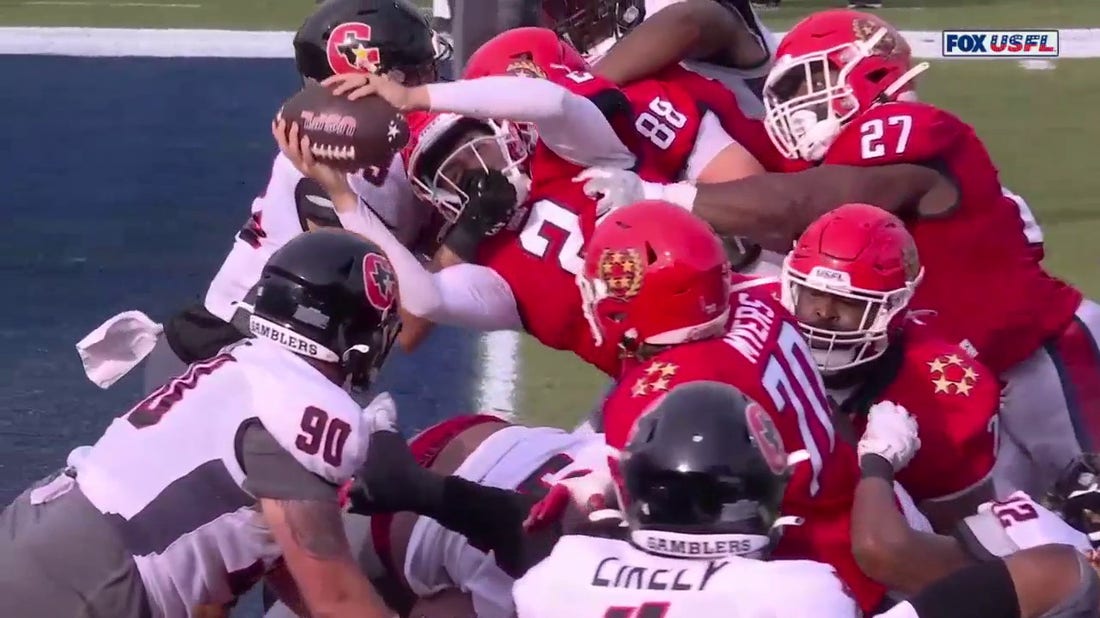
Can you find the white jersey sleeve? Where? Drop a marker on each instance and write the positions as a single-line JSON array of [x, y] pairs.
[[594, 576], [1007, 526], [711, 140], [312, 418]]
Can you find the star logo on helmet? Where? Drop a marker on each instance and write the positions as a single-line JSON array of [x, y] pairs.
[[766, 437], [952, 375], [379, 282], [622, 272], [657, 379], [349, 49]]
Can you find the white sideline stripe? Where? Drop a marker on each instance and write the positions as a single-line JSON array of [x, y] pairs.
[[500, 367], [116, 5], [1075, 42]]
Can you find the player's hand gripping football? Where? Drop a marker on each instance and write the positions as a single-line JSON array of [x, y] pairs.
[[297, 150], [891, 434], [360, 85]]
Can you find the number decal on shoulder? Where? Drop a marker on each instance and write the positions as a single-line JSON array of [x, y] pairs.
[[645, 610], [577, 77], [324, 435], [659, 123], [793, 385], [1014, 510], [553, 232], [150, 410], [1032, 231], [876, 134]]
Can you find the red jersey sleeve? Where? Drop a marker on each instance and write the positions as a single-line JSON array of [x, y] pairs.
[[897, 132], [955, 402]]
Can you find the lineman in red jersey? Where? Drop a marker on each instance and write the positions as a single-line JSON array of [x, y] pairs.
[[848, 282], [656, 281], [841, 97]]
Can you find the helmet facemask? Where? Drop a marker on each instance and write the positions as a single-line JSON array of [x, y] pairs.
[[809, 98], [863, 338], [469, 145]]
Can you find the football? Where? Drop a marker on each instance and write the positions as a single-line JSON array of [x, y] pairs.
[[348, 135]]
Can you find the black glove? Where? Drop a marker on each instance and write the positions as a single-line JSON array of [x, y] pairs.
[[491, 205], [1076, 495], [391, 480]]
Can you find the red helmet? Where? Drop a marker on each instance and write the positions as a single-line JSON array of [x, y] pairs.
[[527, 52], [655, 274], [865, 256], [829, 68], [436, 139]]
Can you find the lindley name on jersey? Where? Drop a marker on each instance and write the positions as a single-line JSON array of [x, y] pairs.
[[611, 572], [1000, 43]]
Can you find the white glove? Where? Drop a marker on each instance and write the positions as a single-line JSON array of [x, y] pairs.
[[612, 188], [117, 346], [380, 414], [891, 434]]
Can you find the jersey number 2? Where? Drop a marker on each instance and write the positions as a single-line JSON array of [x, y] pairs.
[[872, 145], [553, 232]]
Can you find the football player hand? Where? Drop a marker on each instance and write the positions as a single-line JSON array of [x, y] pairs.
[[359, 85], [297, 150], [581, 495], [891, 434], [612, 188]]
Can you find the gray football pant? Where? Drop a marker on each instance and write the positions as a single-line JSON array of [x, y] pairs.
[[59, 558]]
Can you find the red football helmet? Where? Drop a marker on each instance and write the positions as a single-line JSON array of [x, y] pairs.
[[829, 68], [527, 52], [654, 274], [443, 145], [849, 280]]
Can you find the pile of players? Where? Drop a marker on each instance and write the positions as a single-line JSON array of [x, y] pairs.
[[817, 431]]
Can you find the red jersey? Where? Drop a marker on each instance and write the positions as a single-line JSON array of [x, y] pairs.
[[712, 96], [982, 270], [955, 402], [539, 258], [764, 355]]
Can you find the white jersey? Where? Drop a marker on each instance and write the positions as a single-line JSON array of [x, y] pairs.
[[1007, 526], [278, 215], [594, 576], [517, 458], [168, 473]]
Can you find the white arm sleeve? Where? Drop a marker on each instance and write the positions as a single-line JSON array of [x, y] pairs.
[[711, 140], [569, 124], [465, 295]]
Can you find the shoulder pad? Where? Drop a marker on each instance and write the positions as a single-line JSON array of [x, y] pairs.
[[897, 133], [313, 419]]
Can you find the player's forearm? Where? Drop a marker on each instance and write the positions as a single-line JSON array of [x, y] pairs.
[[887, 548]]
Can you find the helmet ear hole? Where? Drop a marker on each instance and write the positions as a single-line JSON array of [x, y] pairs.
[[877, 75], [650, 254]]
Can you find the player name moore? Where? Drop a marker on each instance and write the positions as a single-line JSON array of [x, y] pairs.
[[1000, 43]]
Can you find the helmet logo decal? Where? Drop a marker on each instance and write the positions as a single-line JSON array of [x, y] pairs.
[[379, 282], [766, 436], [349, 49], [622, 272], [864, 28], [523, 66]]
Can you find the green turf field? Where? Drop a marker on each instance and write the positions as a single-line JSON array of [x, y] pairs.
[[1040, 125]]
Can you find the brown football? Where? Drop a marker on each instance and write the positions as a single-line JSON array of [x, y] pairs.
[[348, 135]]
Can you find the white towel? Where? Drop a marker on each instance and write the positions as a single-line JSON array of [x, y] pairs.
[[117, 346]]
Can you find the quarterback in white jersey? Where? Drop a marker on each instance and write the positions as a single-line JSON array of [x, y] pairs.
[[412, 558], [699, 482], [341, 36], [229, 471]]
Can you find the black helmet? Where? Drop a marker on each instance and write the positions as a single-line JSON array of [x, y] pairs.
[[329, 295], [704, 472], [369, 36], [1076, 495], [587, 23]]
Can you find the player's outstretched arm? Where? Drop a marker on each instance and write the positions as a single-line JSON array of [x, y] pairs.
[[699, 29], [1041, 581]]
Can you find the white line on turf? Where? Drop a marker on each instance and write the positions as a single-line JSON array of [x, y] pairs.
[[500, 367], [159, 5], [1075, 43]]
